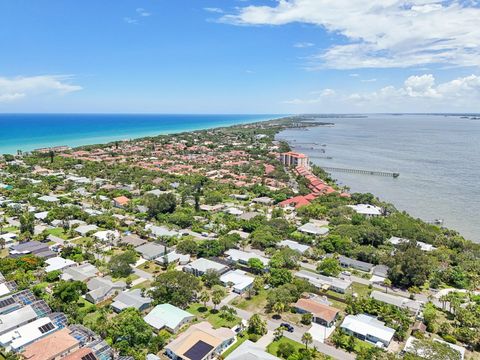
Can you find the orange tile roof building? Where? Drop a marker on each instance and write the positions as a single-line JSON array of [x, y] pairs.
[[322, 314], [52, 347]]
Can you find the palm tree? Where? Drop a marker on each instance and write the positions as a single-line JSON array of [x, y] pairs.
[[204, 298], [278, 333], [307, 339], [387, 283], [278, 308]]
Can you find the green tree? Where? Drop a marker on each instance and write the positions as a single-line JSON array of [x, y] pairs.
[[307, 339], [211, 278], [69, 291], [218, 293], [27, 223], [329, 267], [256, 265], [162, 204], [256, 325], [280, 277], [204, 298], [128, 332], [119, 265], [175, 287]]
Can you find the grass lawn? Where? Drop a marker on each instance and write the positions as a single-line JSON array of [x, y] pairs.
[[361, 289], [10, 229], [143, 285], [58, 232], [132, 276], [213, 317], [256, 303], [240, 341], [81, 241], [150, 267], [273, 347]]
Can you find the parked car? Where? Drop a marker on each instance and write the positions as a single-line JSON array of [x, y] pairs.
[[287, 327]]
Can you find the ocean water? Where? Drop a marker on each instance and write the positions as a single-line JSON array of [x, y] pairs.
[[31, 131], [438, 158]]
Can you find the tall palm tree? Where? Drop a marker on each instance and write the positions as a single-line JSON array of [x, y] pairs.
[[307, 339]]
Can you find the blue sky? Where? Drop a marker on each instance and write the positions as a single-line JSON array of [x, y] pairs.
[[239, 56]]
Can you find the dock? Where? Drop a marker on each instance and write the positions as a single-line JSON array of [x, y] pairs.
[[363, 172]]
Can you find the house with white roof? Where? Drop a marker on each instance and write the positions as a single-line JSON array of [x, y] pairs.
[[414, 346], [423, 246], [173, 257], [169, 317], [313, 229], [238, 280], [80, 273], [325, 282], [58, 263], [85, 229], [294, 246], [161, 231], [49, 198], [201, 266], [366, 210], [368, 328], [242, 257], [107, 236]]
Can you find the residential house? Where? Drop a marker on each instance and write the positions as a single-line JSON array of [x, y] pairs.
[[347, 262], [366, 210], [55, 346], [294, 246], [131, 239], [412, 346], [151, 250], [200, 342], [250, 351], [242, 257], [83, 230], [238, 280], [322, 314], [121, 202], [101, 289], [368, 328], [81, 272], [173, 257], [201, 266], [131, 299], [413, 306], [31, 248], [169, 317], [325, 282], [423, 246], [58, 263], [313, 229]]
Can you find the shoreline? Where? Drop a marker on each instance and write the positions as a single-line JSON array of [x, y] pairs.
[[379, 187], [85, 139]]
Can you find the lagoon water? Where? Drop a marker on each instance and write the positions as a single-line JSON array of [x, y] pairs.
[[31, 131], [438, 158]]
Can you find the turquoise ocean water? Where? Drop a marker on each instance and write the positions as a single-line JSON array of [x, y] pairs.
[[31, 131]]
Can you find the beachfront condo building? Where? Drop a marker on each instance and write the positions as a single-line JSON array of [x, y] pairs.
[[294, 159]]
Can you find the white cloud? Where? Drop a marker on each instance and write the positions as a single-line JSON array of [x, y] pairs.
[[380, 33], [368, 80], [143, 12], [13, 89], [213, 10], [302, 45], [129, 20], [418, 93]]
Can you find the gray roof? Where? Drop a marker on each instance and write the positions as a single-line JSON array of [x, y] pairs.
[[132, 239], [322, 280], [250, 351], [398, 301], [80, 273], [202, 265], [131, 298], [356, 264], [311, 228], [151, 250]]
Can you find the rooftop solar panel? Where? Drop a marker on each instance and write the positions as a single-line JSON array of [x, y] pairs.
[[6, 302], [199, 350], [46, 328], [89, 356]]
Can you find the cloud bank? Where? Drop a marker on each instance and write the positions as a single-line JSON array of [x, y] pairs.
[[17, 88], [380, 33]]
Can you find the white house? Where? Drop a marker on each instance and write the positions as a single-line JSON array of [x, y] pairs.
[[366, 209], [368, 328]]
